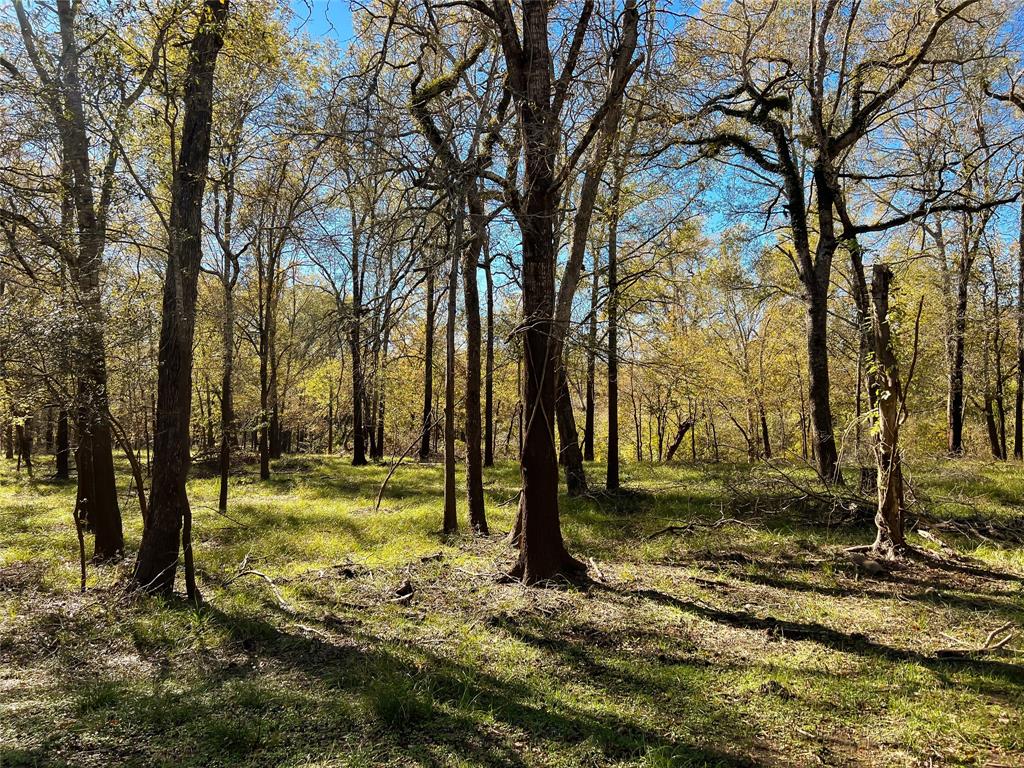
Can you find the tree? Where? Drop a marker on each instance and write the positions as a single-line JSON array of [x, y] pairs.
[[847, 81], [1015, 95], [891, 515], [540, 98], [58, 85], [621, 67], [461, 175], [168, 529]]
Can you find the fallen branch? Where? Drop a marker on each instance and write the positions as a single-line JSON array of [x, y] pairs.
[[285, 606], [991, 644], [695, 526]]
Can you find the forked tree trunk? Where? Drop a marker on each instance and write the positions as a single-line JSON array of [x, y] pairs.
[[889, 518], [170, 517], [681, 430]]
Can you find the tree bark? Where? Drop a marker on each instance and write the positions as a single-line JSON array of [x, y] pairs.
[[428, 369], [355, 342], [589, 407], [955, 391], [570, 456], [489, 365], [61, 471], [819, 388], [227, 415], [1018, 423], [766, 445], [622, 67], [170, 517], [612, 473], [450, 519], [889, 518], [471, 306], [23, 433], [681, 430]]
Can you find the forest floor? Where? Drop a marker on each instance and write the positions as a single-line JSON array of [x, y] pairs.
[[744, 636]]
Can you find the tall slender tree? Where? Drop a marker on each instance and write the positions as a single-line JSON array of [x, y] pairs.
[[168, 530]]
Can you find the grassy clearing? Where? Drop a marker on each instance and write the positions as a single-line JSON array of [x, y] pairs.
[[757, 642]]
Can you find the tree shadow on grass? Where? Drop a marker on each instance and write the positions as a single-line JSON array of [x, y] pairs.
[[1006, 604], [273, 689], [853, 642], [417, 694]]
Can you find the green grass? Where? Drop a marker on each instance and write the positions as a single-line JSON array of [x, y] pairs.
[[753, 642]]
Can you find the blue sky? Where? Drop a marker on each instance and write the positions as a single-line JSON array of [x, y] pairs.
[[323, 18]]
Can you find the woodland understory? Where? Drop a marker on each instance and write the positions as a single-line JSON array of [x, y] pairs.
[[511, 382], [722, 625]]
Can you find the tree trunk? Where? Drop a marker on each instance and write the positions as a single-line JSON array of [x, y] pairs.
[[265, 423], [169, 513], [570, 456], [825, 449], [955, 393], [428, 369], [991, 427], [450, 520], [588, 423], [358, 438], [489, 367], [889, 518], [612, 476], [681, 430], [61, 471], [23, 432], [330, 421], [542, 553], [378, 443], [471, 306], [96, 499], [1018, 424], [226, 403], [766, 445]]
